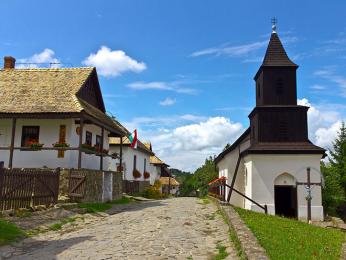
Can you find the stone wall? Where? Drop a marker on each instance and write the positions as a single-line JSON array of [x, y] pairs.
[[99, 186], [63, 182], [117, 192], [133, 187]]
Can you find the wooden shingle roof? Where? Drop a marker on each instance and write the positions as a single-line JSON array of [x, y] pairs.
[[169, 180], [50, 91], [276, 54], [41, 90]]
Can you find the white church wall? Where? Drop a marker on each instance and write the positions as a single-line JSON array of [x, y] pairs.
[[266, 168]]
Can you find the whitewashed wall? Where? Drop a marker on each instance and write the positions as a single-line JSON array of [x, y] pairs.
[[227, 167], [128, 157], [263, 171], [155, 173], [49, 134]]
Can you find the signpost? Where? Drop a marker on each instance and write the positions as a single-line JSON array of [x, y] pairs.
[[308, 186]]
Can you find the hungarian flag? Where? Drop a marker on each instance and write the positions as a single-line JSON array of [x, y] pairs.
[[133, 139]]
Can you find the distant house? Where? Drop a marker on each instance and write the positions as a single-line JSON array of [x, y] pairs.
[[54, 118], [135, 161], [159, 168], [169, 185]]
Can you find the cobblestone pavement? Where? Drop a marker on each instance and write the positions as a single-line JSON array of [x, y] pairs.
[[179, 228]]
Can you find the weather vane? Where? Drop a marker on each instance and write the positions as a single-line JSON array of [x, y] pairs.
[[274, 23]]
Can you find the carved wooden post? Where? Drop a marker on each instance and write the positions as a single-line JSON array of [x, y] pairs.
[[308, 198], [101, 148], [14, 120], [80, 143]]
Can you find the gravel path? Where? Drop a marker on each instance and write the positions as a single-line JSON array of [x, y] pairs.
[[179, 228]]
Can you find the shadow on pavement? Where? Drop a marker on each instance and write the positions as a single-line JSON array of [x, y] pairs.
[[134, 206], [26, 249]]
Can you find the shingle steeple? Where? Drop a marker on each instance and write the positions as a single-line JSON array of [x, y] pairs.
[[276, 54]]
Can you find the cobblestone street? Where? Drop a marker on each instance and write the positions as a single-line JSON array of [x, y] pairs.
[[179, 228]]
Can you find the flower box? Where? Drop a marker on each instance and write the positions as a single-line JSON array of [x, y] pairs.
[[136, 174], [146, 175], [61, 145]]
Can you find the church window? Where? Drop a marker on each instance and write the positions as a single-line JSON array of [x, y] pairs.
[[283, 130], [279, 86]]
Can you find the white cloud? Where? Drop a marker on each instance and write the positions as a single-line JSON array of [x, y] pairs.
[[231, 51], [240, 50], [111, 63], [318, 87], [160, 85], [167, 102], [323, 123], [186, 146], [36, 60], [330, 75]]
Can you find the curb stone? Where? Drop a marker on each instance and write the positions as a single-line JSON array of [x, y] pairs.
[[249, 244]]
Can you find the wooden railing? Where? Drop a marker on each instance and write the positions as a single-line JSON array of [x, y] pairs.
[[218, 189], [23, 188]]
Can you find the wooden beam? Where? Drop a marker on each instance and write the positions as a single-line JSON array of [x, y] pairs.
[[121, 155], [10, 162], [101, 157], [234, 178], [80, 143]]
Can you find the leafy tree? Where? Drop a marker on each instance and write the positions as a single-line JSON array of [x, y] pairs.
[[205, 174], [334, 200], [191, 183], [333, 194], [338, 156]]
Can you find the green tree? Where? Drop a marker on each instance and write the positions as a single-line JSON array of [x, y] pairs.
[[338, 156], [205, 174], [334, 173]]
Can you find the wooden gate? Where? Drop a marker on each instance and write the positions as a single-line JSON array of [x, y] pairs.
[[23, 188], [130, 187], [76, 185]]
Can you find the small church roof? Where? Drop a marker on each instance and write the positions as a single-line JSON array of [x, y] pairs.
[[276, 54]]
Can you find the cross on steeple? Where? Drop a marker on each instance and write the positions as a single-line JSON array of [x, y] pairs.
[[274, 23]]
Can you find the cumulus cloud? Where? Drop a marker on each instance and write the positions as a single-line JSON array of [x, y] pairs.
[[167, 102], [186, 146], [38, 59], [112, 63], [323, 122]]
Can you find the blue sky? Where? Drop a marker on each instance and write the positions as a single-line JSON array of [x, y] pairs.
[[182, 71]]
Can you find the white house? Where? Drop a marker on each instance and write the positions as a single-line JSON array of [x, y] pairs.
[[169, 185], [274, 153], [54, 118], [135, 161], [157, 166]]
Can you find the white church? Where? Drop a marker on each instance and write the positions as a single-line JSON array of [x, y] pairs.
[[269, 160]]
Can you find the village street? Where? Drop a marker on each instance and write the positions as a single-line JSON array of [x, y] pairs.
[[179, 228]]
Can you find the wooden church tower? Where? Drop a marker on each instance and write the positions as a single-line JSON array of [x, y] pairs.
[[277, 123], [268, 160]]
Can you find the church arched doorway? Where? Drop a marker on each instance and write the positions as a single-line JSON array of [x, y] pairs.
[[285, 196]]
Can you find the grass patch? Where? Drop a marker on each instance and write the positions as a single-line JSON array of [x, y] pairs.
[[233, 236], [222, 254], [204, 201], [284, 238], [9, 232], [102, 207]]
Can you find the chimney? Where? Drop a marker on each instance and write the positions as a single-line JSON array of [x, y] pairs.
[[9, 62]]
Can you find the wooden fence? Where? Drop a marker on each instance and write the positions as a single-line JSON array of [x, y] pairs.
[[131, 187], [23, 188]]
